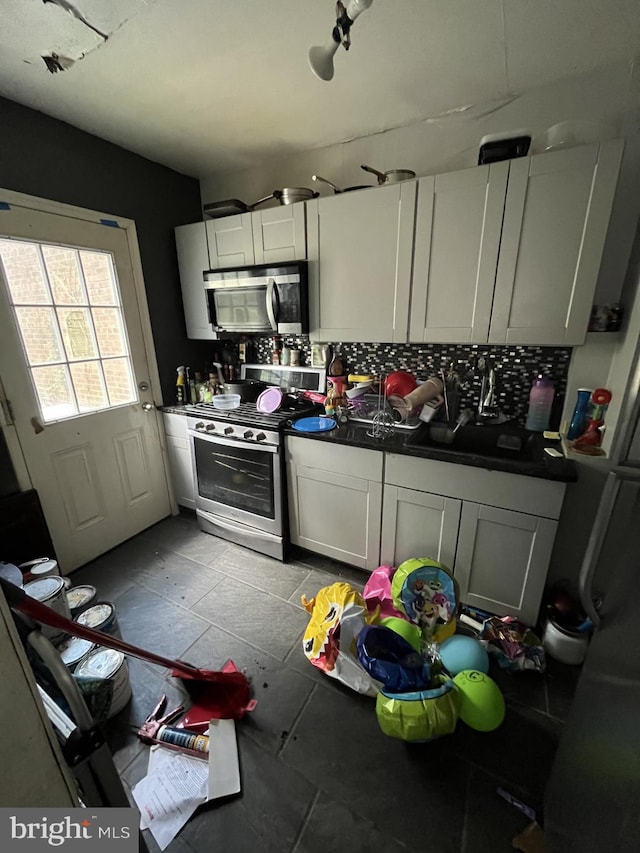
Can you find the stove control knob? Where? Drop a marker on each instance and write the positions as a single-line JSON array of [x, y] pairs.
[[248, 434], [261, 437], [200, 425], [210, 427], [228, 430]]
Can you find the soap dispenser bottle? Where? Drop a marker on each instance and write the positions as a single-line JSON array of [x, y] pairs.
[[540, 402]]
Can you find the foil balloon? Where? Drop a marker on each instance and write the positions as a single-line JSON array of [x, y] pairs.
[[427, 593], [338, 614]]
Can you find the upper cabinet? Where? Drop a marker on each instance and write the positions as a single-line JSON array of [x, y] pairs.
[[193, 259], [268, 236], [230, 241], [458, 226], [555, 223], [279, 234], [510, 253], [360, 249]]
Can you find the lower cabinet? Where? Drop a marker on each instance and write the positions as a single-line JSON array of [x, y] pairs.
[[502, 559], [418, 524], [335, 500], [494, 530], [179, 453]]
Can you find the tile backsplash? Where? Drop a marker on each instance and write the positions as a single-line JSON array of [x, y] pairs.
[[516, 366]]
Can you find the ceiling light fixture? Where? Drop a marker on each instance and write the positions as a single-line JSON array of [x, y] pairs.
[[321, 56]]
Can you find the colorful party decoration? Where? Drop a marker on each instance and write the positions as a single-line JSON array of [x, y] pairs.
[[419, 716], [426, 592]]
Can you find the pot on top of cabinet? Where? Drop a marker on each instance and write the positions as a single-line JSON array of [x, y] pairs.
[[393, 176]]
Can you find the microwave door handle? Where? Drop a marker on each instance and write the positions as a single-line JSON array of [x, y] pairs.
[[271, 313]]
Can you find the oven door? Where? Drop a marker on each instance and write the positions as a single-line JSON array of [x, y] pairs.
[[239, 481]]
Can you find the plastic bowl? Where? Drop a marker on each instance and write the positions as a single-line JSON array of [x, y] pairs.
[[226, 401]]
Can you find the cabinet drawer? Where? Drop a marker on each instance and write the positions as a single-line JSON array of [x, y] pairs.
[[493, 488], [335, 458]]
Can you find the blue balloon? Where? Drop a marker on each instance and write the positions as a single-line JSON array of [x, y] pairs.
[[459, 653]]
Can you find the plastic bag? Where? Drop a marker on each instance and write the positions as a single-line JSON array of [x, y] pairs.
[[513, 644], [338, 614]]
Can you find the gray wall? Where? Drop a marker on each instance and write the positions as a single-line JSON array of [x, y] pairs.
[[48, 158]]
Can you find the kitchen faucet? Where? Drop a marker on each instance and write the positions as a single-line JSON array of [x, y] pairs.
[[488, 407]]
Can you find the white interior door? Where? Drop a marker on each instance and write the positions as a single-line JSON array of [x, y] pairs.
[[74, 367]]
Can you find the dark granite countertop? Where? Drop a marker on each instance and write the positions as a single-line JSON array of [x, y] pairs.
[[404, 442]]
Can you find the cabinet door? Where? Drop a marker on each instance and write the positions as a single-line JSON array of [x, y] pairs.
[[280, 234], [555, 223], [193, 260], [230, 241], [336, 515], [179, 453], [417, 524], [502, 560], [360, 249], [458, 226]]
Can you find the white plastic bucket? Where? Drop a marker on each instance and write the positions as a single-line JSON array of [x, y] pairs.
[[50, 591], [564, 645], [108, 665]]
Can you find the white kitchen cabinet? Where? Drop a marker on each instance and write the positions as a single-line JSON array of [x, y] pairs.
[[335, 500], [494, 530], [510, 253], [179, 453], [360, 250], [457, 240], [193, 260], [230, 240], [502, 560], [556, 217], [275, 235], [418, 524], [280, 234]]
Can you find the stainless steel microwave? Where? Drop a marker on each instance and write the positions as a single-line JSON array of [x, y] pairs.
[[259, 300]]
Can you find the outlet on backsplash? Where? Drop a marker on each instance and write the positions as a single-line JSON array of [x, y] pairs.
[[516, 366]]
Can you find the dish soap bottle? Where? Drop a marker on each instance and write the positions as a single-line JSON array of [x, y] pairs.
[[540, 401], [180, 386]]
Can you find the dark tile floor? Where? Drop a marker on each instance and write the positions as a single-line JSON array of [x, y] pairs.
[[317, 773]]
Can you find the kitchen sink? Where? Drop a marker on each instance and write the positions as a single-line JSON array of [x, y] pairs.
[[502, 441]]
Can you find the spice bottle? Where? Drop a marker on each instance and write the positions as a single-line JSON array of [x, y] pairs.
[[275, 351]]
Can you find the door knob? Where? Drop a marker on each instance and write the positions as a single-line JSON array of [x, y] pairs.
[[148, 407]]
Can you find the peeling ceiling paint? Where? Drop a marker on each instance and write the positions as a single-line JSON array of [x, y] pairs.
[[212, 85]]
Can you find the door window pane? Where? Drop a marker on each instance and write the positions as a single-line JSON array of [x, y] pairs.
[[64, 275], [77, 333], [53, 387], [24, 273], [39, 332], [99, 278], [109, 331], [119, 383], [75, 344], [88, 385]]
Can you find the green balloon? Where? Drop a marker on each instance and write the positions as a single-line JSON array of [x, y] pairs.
[[407, 630], [481, 702]]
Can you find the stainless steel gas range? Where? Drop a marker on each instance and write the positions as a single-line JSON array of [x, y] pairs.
[[238, 463]]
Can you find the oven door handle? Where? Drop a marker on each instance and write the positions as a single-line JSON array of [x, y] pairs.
[[234, 527], [232, 442], [271, 290]]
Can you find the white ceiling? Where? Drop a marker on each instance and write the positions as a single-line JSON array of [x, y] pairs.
[[211, 85]]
